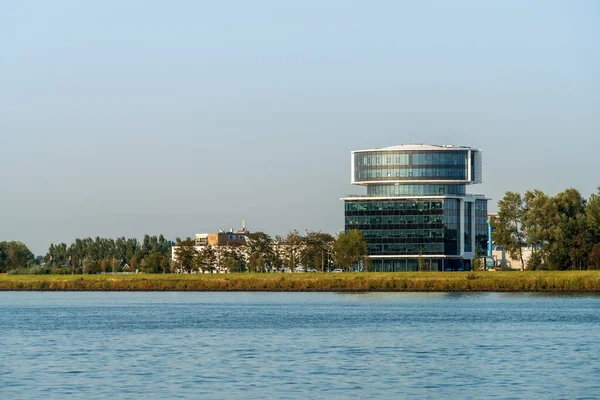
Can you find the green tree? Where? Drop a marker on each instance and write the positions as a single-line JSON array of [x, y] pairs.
[[349, 248], [594, 257], [185, 253], [57, 254], [277, 260], [206, 259], [260, 252], [293, 244], [232, 260], [509, 225], [592, 215], [154, 263], [315, 252], [569, 231], [14, 255], [540, 222], [90, 266], [477, 262]]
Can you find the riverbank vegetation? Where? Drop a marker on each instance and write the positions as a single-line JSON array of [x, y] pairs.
[[562, 231], [513, 281], [260, 253]]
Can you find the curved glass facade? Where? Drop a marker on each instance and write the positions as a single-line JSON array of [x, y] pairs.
[[415, 190], [410, 174], [411, 165]]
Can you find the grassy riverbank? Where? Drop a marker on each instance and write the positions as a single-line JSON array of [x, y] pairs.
[[529, 281]]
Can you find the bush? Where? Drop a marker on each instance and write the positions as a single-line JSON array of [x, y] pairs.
[[39, 270], [535, 262], [472, 275]]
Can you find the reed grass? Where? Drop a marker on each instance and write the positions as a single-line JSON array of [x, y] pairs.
[[527, 281]]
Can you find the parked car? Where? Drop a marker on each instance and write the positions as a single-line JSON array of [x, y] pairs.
[[337, 270], [311, 270]]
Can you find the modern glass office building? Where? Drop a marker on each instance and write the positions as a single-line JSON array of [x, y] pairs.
[[416, 210]]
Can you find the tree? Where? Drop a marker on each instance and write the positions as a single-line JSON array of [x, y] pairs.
[[277, 259], [14, 255], [205, 260], [57, 254], [349, 248], [508, 225], [90, 266], [232, 260], [476, 264], [540, 223], [260, 252], [594, 257], [185, 253], [569, 231], [315, 252], [154, 263], [293, 243], [105, 264], [592, 215]]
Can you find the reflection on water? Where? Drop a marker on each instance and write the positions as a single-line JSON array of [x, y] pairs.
[[298, 345]]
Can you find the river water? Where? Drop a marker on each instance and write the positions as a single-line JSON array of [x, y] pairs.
[[298, 345]]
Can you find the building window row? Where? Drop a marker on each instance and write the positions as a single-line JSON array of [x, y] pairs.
[[415, 190], [374, 174], [405, 248], [394, 219], [403, 233], [458, 158], [375, 205]]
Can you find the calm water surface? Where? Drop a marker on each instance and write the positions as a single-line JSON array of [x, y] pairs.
[[298, 345]]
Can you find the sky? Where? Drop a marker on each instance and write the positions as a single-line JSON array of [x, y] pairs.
[[121, 118]]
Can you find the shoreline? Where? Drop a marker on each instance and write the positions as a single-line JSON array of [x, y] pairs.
[[501, 282]]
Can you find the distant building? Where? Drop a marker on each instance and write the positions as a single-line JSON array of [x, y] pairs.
[[416, 210], [221, 238], [218, 239], [503, 259]]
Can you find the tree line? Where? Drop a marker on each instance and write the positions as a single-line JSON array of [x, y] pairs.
[[562, 231], [261, 253], [314, 251]]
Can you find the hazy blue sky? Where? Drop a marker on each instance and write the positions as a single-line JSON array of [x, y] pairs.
[[119, 118]]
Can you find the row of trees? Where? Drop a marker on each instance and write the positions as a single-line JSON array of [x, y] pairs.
[[261, 253], [315, 250], [563, 231], [89, 255]]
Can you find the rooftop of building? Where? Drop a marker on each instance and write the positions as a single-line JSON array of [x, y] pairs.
[[419, 147], [416, 197]]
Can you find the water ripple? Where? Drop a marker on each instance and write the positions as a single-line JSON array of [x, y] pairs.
[[279, 345]]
